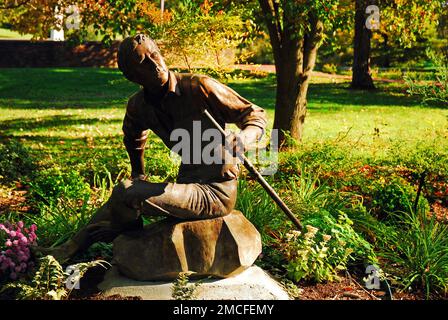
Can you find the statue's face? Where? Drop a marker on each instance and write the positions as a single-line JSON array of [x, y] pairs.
[[147, 67]]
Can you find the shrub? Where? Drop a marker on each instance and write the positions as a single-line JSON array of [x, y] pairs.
[[436, 90], [182, 289], [416, 249], [50, 282], [330, 68], [15, 161], [52, 184], [327, 247], [61, 220], [391, 194], [258, 207]]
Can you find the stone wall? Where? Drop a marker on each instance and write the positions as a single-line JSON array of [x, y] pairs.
[[25, 53]]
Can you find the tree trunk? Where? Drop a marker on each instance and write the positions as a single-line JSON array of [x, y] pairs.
[[294, 61], [361, 77], [293, 75], [386, 53], [289, 116]]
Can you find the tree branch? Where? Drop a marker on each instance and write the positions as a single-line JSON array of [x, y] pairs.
[[274, 33], [311, 44]]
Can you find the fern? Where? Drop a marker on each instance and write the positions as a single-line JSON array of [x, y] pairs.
[[182, 290], [50, 280]]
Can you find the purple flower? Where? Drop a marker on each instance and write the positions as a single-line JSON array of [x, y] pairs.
[[16, 259]]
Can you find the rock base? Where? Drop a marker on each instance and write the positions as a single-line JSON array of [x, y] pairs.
[[220, 247], [252, 284]]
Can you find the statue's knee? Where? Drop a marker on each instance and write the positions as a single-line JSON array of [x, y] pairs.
[[119, 191]]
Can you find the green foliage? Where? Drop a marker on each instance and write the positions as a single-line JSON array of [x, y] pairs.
[[330, 68], [65, 205], [307, 194], [309, 259], [258, 207], [60, 220], [342, 232], [390, 194], [200, 36], [54, 184], [415, 248], [182, 289], [15, 161], [49, 281], [435, 91], [328, 247]]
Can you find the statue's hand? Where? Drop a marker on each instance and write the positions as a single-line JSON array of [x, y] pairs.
[[235, 144], [230, 171]]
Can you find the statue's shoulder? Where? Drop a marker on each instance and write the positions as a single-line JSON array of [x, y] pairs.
[[196, 81]]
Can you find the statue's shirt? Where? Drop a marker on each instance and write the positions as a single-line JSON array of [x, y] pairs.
[[181, 109]]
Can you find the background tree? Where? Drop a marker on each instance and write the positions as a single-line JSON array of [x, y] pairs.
[[402, 21], [202, 32], [296, 30]]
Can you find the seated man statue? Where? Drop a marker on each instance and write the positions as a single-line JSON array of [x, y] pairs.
[[166, 102]]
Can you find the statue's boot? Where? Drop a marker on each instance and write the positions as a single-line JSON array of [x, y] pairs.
[[113, 218], [99, 229]]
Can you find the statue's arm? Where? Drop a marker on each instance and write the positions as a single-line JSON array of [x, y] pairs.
[[135, 141], [233, 108]]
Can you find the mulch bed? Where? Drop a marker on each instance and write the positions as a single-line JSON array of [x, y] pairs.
[[349, 289], [13, 200]]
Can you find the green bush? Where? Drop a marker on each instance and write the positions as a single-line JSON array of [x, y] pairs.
[[258, 207], [61, 220], [49, 281], [435, 90], [15, 161], [391, 194], [328, 246], [330, 68], [415, 247], [52, 184]]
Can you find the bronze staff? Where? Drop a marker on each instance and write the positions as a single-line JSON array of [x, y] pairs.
[[251, 168]]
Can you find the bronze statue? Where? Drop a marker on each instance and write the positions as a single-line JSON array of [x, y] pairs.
[[169, 101]]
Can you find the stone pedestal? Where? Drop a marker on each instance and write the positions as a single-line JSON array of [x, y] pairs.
[[251, 284], [219, 247]]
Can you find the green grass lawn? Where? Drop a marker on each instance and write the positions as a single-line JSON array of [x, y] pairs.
[[63, 113], [8, 34]]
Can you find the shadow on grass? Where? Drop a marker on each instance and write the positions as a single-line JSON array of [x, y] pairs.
[[38, 88], [63, 88], [338, 96], [331, 96], [13, 125]]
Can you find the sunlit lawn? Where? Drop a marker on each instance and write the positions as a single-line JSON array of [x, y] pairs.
[[8, 34], [64, 113]]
